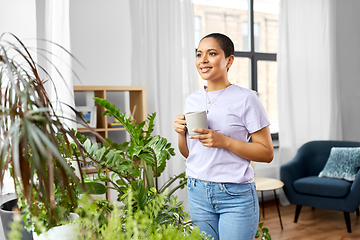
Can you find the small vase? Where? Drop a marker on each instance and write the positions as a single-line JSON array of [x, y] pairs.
[[63, 232]]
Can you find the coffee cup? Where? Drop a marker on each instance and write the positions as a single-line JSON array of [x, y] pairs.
[[196, 119]]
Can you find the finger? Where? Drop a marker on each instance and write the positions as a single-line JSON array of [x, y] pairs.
[[180, 129], [181, 117], [200, 137], [201, 130], [180, 126], [182, 122]]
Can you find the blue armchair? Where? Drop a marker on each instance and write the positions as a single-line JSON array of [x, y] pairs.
[[303, 187]]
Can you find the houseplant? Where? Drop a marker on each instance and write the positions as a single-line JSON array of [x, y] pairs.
[[142, 159], [35, 143], [130, 223]]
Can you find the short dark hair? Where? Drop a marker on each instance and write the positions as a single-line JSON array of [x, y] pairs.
[[224, 41]]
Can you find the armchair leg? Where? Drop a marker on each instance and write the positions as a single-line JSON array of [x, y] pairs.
[[297, 212], [347, 221]]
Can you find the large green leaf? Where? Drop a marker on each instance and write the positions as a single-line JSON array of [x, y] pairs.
[[94, 188]]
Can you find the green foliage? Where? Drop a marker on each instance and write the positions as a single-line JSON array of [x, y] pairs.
[[263, 232], [129, 223], [137, 162]]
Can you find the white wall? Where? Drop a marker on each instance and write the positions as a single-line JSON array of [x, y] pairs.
[[348, 50], [101, 39], [18, 17]]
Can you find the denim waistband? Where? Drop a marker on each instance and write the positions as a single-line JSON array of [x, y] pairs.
[[194, 180]]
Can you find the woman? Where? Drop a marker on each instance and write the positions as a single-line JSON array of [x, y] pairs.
[[221, 189]]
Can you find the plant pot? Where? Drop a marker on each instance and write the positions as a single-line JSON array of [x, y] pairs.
[[7, 216], [63, 232]]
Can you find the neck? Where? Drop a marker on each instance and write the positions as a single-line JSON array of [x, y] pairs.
[[217, 86]]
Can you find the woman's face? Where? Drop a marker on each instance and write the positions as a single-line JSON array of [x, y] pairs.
[[210, 60]]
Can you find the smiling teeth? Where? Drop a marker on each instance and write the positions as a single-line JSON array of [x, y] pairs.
[[205, 69]]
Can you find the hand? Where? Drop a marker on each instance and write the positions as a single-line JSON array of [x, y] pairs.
[[180, 124], [210, 138]]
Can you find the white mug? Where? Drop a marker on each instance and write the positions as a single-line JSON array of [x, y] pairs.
[[195, 119]]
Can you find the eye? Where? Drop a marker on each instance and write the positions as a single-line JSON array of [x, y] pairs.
[[212, 54], [198, 55]]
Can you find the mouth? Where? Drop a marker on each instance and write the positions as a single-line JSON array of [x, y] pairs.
[[205, 69]]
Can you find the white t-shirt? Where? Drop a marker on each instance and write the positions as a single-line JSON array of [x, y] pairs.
[[236, 112]]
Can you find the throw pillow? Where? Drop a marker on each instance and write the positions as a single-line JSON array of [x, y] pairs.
[[342, 163]]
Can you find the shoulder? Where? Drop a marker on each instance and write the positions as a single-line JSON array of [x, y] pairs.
[[243, 94]]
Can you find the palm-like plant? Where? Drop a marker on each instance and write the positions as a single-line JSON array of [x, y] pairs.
[[30, 146]]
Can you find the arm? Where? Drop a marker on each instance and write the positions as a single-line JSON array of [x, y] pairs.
[[259, 150], [180, 128]]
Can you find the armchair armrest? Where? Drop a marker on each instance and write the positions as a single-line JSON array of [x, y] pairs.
[[295, 169], [290, 172]]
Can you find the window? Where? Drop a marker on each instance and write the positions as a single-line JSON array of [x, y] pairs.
[[255, 44], [246, 38]]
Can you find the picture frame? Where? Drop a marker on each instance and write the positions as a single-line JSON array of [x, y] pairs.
[[89, 115]]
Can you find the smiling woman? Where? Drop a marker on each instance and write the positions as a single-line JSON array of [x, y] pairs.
[[221, 189]]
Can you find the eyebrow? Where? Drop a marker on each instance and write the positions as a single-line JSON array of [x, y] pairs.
[[211, 49]]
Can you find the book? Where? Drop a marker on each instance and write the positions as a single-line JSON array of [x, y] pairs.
[[115, 125]]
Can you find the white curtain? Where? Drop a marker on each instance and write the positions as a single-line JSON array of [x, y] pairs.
[[163, 60], [309, 105], [57, 33]]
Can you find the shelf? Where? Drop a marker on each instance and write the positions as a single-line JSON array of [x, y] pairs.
[[88, 130], [116, 129], [137, 97]]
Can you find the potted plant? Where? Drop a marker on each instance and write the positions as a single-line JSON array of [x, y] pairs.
[[34, 142]]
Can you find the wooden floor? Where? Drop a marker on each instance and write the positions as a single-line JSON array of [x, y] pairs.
[[313, 224]]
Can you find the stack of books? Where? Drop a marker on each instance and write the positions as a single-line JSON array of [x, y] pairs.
[[115, 125]]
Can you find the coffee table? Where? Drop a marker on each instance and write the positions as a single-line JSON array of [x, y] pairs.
[[268, 184]]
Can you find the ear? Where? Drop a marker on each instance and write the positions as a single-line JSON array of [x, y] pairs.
[[230, 61]]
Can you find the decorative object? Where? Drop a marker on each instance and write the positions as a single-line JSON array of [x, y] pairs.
[[68, 231], [88, 113], [210, 102], [343, 163]]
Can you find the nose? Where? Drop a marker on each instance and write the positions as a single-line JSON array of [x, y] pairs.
[[204, 59]]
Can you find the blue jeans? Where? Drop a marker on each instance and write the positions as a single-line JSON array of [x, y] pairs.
[[226, 211]]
